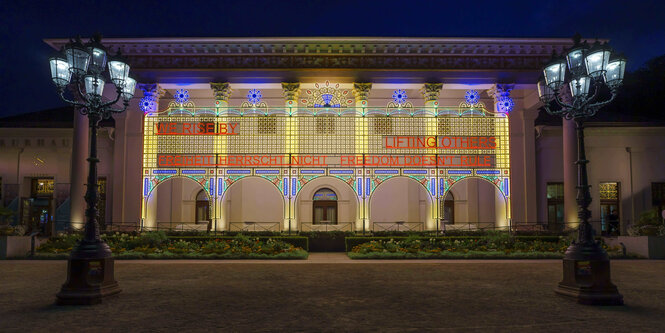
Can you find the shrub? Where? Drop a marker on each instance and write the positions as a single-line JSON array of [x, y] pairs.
[[648, 224]]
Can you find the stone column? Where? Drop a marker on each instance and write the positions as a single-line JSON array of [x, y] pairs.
[[291, 92], [80, 144], [431, 93], [134, 174], [518, 158], [569, 137], [361, 92], [222, 92]]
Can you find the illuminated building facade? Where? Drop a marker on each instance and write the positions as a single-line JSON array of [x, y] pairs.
[[322, 134]]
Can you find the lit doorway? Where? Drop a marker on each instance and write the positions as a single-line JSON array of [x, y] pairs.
[[448, 209], [202, 208], [325, 207]]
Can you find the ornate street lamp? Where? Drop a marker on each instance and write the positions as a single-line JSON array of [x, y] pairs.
[[592, 75], [90, 275]]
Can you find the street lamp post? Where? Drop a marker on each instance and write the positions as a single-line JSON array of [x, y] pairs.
[[593, 76], [90, 274]]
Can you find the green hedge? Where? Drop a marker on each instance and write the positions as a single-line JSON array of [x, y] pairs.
[[297, 241], [456, 255], [298, 254], [351, 242], [472, 255]]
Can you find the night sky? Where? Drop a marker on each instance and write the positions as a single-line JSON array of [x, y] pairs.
[[636, 28]]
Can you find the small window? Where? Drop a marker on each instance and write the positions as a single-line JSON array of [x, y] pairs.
[[555, 204], [325, 194]]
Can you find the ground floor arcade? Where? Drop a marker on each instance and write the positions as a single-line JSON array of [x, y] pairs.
[[325, 202]]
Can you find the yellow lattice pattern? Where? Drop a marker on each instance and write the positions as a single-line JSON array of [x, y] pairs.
[[609, 191], [323, 135]]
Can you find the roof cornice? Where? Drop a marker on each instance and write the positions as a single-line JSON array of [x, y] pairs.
[[395, 53]]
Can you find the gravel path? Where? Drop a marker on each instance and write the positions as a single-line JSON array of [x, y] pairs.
[[462, 296]]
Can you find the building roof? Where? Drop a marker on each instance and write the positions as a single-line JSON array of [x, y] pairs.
[[451, 60], [62, 117]]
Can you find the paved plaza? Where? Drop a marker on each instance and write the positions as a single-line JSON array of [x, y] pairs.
[[331, 293]]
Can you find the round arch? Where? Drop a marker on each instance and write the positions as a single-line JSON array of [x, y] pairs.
[[348, 202], [392, 202], [251, 206], [171, 204], [478, 206]]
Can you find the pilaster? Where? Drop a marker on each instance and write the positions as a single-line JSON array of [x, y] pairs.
[[361, 92], [522, 153], [291, 92], [221, 92], [133, 206]]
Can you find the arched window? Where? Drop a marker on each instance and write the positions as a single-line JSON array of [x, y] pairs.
[[448, 209], [324, 207], [202, 207]]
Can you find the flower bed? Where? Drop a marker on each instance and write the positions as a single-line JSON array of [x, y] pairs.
[[156, 245], [491, 246]]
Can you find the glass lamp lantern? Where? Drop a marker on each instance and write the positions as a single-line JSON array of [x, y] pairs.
[[60, 73], [596, 61], [555, 73], [97, 59], [615, 71], [575, 58], [78, 58], [545, 93], [94, 85], [118, 71], [128, 88], [580, 86]]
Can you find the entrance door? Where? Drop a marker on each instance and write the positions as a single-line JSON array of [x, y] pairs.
[[325, 207], [448, 209], [202, 208]]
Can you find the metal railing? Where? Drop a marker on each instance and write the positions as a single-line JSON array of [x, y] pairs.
[[249, 226], [398, 226], [340, 226]]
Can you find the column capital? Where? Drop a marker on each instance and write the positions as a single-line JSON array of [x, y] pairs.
[[500, 92], [221, 90], [361, 90], [291, 91], [152, 90], [431, 91]]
